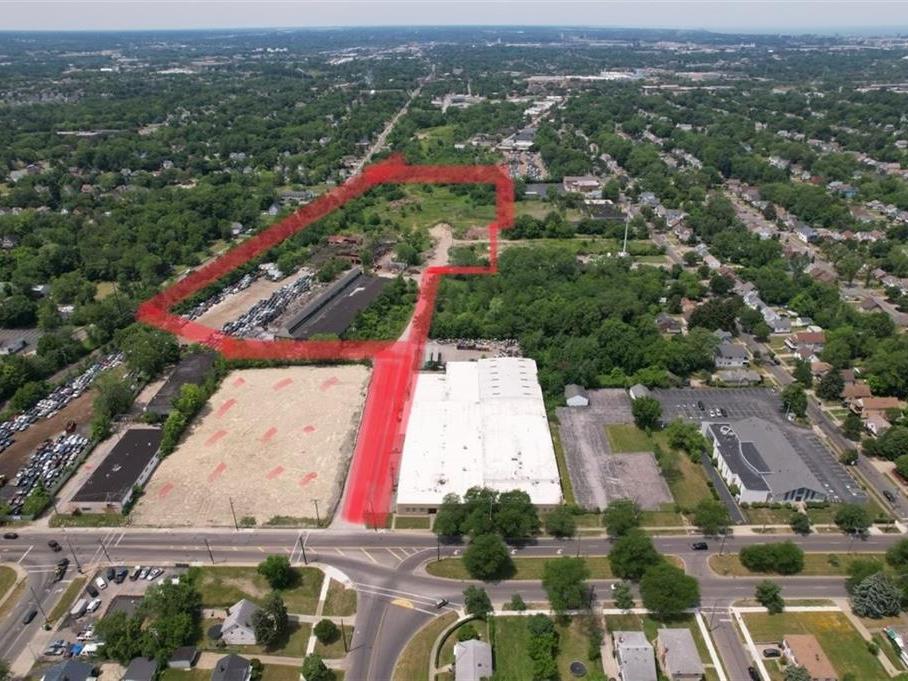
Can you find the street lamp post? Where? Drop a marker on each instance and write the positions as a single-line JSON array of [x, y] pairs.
[[303, 549], [318, 520], [208, 546], [104, 549], [72, 551]]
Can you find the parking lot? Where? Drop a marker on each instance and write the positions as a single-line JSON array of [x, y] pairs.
[[598, 476], [741, 403]]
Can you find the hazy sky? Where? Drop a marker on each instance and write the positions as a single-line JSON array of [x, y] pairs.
[[732, 15]]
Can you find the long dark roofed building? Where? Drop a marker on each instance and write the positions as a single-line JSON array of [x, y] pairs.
[[193, 368]]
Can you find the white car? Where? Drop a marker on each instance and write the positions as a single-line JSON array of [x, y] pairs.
[[101, 583], [94, 605]]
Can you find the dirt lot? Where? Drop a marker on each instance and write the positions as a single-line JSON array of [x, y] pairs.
[[270, 440], [239, 303], [79, 410]]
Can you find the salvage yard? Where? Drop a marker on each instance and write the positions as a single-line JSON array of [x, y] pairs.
[[270, 441]]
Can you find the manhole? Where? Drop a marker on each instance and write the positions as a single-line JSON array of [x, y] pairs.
[[578, 669]]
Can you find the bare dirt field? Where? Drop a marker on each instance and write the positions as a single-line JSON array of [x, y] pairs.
[[270, 440]]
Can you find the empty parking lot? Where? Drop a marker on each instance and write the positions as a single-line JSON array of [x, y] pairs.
[[741, 403]]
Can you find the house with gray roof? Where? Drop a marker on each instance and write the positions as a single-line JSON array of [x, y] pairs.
[[737, 378], [731, 356], [678, 656], [575, 396], [70, 670], [754, 456], [639, 390], [237, 628], [141, 669], [232, 668], [472, 660], [636, 660]]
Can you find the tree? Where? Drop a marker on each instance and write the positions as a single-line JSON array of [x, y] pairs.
[[147, 350], [623, 598], [315, 669], [113, 395], [564, 580], [853, 519], [270, 622], [859, 570], [122, 636], [852, 426], [467, 632], [802, 373], [561, 523], [516, 603], [877, 596], [487, 557], [830, 386], [646, 411], [277, 570], [711, 517], [849, 457], [621, 516], [667, 592], [800, 523], [897, 554], [794, 399], [449, 517], [516, 517], [633, 554], [784, 558], [326, 631], [476, 601], [796, 673], [890, 445], [769, 595]]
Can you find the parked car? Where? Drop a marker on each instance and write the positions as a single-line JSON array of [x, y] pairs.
[[772, 652], [441, 602], [135, 573], [100, 583], [890, 497], [10, 535], [700, 546], [93, 605], [120, 575], [54, 545], [92, 591], [144, 573], [79, 608], [754, 674], [111, 573]]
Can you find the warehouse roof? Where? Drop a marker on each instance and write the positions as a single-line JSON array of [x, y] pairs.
[[479, 424], [118, 473]]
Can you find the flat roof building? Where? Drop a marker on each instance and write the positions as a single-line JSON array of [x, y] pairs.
[[193, 368], [636, 660], [128, 465], [472, 661], [678, 656], [755, 456], [478, 424]]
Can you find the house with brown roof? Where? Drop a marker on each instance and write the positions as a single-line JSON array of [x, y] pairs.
[[876, 423], [868, 404], [812, 339], [856, 391], [803, 650]]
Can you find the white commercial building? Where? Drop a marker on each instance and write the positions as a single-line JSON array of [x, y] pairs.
[[478, 424]]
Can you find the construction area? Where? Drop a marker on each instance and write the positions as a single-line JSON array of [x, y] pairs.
[[269, 443]]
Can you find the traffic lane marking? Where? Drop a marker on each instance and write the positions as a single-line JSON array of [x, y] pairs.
[[27, 551], [369, 556]]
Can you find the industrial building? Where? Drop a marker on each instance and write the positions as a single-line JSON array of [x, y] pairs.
[[127, 467], [478, 424], [759, 464]]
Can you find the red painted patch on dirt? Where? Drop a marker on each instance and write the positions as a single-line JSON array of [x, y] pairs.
[[387, 408], [165, 490], [238, 381], [309, 429], [306, 479], [269, 434], [217, 472], [283, 383], [328, 383], [275, 472], [224, 408], [215, 437]]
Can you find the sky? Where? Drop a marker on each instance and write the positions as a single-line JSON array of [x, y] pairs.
[[774, 16]]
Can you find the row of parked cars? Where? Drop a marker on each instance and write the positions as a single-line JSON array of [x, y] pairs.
[[221, 295], [45, 466], [58, 398], [253, 322]]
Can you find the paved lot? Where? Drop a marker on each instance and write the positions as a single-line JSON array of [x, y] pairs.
[[597, 475], [741, 403]]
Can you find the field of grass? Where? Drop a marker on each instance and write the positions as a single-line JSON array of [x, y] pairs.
[[67, 599], [293, 646], [840, 641], [446, 653], [7, 580], [768, 516], [335, 649], [221, 587], [567, 490], [664, 517], [426, 206], [411, 522], [89, 520], [524, 568], [280, 672], [540, 209], [340, 601], [686, 479], [185, 674], [413, 663], [573, 644], [815, 564], [626, 437], [512, 640]]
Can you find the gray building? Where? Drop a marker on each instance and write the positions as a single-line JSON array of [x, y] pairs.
[[232, 668], [731, 356], [636, 660], [141, 669], [237, 628], [737, 378], [472, 661], [183, 658], [756, 457], [575, 396], [639, 390], [678, 656], [71, 670]]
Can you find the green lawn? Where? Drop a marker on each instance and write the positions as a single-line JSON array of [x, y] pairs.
[[221, 587], [686, 479], [524, 568], [67, 599], [540, 209], [89, 520], [567, 489], [664, 517], [573, 644], [335, 649], [625, 437], [511, 642], [7, 579], [279, 672], [768, 516], [446, 654], [815, 564], [340, 601], [413, 663], [411, 522], [185, 674], [426, 205], [293, 646], [840, 641]]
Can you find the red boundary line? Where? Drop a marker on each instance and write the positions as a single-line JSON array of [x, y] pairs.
[[395, 363]]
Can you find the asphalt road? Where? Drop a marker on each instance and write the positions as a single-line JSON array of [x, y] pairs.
[[396, 597]]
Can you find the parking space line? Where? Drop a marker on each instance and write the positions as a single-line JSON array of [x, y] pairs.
[[369, 556]]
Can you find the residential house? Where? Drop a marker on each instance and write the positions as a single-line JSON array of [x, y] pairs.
[[668, 324], [576, 396], [141, 669], [815, 340], [737, 378], [678, 656], [876, 423], [819, 368], [856, 390], [232, 668], [806, 233], [804, 650], [184, 657], [237, 628], [636, 659], [70, 670], [472, 660], [731, 356], [638, 390], [821, 272], [863, 405], [586, 184]]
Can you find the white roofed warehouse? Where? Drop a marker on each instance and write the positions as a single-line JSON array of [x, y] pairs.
[[478, 424]]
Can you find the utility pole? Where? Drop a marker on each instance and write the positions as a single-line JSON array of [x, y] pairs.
[[104, 549], [73, 551], [344, 635], [722, 547], [208, 546], [627, 224], [38, 602], [437, 548], [303, 549], [318, 520], [236, 525]]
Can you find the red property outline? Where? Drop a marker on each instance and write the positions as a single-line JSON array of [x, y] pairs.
[[395, 363]]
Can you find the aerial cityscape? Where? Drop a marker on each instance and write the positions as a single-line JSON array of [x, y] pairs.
[[376, 350]]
